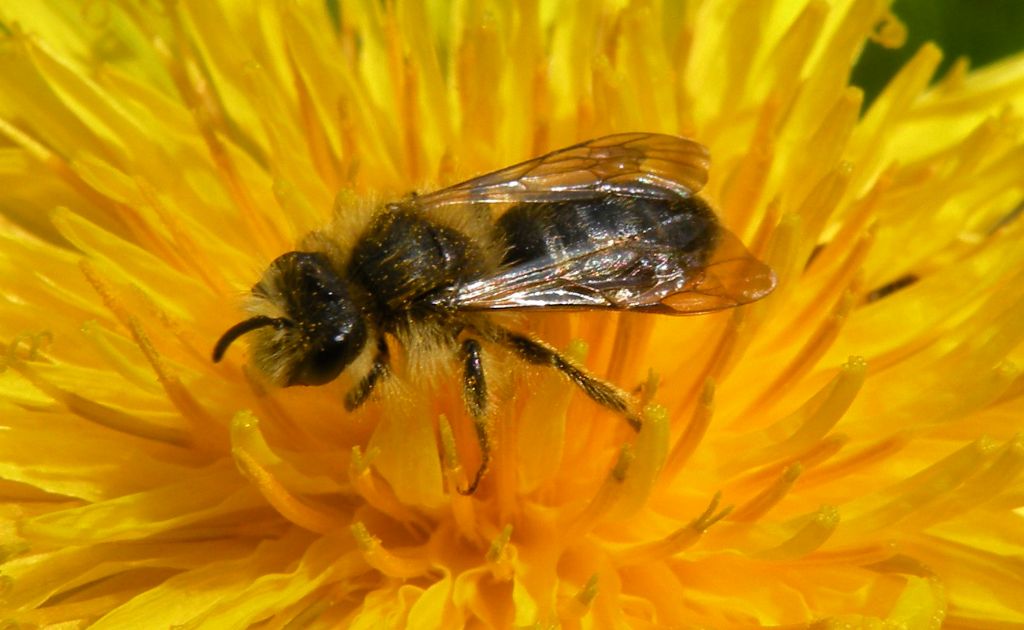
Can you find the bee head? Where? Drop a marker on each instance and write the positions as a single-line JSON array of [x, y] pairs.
[[307, 327]]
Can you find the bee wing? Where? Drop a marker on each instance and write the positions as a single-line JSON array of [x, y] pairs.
[[626, 275], [635, 164], [732, 277]]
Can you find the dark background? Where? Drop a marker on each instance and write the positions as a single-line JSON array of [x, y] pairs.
[[981, 30]]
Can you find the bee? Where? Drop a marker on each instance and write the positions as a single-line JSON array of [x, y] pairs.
[[613, 223]]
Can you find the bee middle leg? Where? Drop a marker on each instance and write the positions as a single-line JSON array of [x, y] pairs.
[[474, 389], [539, 353], [381, 368]]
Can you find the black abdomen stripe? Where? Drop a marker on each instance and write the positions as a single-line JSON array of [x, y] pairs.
[[557, 230]]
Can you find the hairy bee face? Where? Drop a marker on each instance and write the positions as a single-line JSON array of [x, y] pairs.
[[308, 328]]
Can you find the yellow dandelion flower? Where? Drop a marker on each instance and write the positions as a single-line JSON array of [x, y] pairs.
[[844, 453]]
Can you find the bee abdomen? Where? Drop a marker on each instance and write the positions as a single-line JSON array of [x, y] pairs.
[[566, 229]]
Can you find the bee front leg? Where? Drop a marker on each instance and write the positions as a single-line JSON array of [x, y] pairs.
[[381, 367], [539, 353], [474, 389]]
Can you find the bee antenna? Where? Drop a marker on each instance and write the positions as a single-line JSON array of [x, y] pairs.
[[239, 329]]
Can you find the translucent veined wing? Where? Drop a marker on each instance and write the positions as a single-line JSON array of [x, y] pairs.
[[635, 164], [732, 277], [631, 272], [628, 275]]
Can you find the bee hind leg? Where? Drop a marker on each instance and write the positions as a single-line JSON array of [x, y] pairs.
[[474, 390], [539, 353], [381, 368]]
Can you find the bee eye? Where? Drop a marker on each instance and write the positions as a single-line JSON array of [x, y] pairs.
[[327, 355], [329, 328]]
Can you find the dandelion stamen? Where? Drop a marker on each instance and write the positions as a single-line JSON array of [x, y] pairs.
[[105, 415], [719, 356], [675, 542], [841, 281], [990, 481], [741, 194], [693, 434], [16, 354], [632, 336], [118, 361], [854, 225], [195, 91], [807, 425], [61, 169], [812, 535], [376, 493], [1002, 473], [890, 32], [650, 451], [851, 556], [201, 423], [811, 351], [782, 68], [807, 460], [922, 490], [316, 136], [875, 453], [759, 505], [606, 496], [830, 140], [39, 152], [387, 562], [501, 555], [463, 511], [287, 505], [574, 608], [184, 247], [270, 408]]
